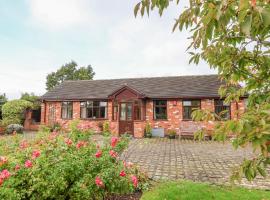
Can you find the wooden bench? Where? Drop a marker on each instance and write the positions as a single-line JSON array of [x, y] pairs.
[[187, 130]]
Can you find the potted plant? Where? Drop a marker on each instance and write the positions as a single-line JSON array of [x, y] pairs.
[[148, 130], [172, 134]]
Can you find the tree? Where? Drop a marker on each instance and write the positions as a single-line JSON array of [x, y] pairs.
[[69, 71], [31, 97], [234, 38], [13, 111], [3, 100]]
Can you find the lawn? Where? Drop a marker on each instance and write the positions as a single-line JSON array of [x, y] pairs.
[[187, 190]]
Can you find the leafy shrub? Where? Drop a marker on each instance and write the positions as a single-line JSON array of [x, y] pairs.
[[64, 166], [106, 128], [13, 111], [148, 130], [14, 128]]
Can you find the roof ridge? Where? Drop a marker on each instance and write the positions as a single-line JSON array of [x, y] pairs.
[[148, 77]]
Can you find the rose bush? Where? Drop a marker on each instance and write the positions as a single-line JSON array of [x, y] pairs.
[[65, 166]]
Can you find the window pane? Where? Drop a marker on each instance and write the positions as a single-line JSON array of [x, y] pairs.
[[103, 112], [96, 103], [89, 112], [160, 103], [186, 103], [137, 112], [160, 113], [129, 112], [89, 103], [195, 103], [83, 112], [187, 112], [123, 112], [103, 103]]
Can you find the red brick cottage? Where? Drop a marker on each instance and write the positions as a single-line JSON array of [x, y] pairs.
[[128, 104]]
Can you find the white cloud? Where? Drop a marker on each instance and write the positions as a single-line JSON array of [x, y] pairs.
[[58, 14]]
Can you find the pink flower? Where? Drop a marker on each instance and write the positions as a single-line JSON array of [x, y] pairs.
[[114, 141], [80, 144], [28, 164], [35, 154], [113, 153], [53, 135], [127, 164], [134, 180], [23, 144], [68, 141], [5, 174], [98, 154], [17, 167], [3, 159], [99, 182], [122, 173]]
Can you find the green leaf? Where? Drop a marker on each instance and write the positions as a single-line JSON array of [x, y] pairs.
[[136, 9], [246, 25], [243, 10], [266, 16]]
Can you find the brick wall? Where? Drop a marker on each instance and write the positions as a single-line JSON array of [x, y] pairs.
[[174, 118]]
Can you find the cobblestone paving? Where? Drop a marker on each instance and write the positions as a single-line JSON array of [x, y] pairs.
[[206, 161]]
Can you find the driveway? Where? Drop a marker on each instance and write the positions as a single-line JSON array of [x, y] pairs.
[[206, 161]]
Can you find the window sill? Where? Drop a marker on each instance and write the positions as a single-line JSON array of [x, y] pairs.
[[67, 118], [160, 120], [91, 119]]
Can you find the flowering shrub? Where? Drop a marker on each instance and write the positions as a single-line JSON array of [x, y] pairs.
[[65, 166]]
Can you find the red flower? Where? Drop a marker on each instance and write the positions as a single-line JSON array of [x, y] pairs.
[[80, 144], [68, 141], [99, 154], [28, 164], [36, 154], [5, 174], [113, 153], [134, 180], [99, 182], [17, 167], [122, 173], [114, 141]]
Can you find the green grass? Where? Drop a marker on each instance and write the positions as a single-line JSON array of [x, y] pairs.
[[187, 190]]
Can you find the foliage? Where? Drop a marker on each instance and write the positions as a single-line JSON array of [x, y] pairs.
[[172, 132], [106, 128], [3, 100], [14, 128], [13, 111], [64, 166], [233, 38], [69, 71], [148, 130], [186, 190], [31, 97]]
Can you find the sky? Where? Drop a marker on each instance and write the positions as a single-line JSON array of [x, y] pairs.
[[39, 36]]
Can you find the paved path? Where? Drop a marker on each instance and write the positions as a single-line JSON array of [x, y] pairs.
[[205, 161]]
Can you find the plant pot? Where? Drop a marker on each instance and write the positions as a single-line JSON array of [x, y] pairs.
[[172, 136]]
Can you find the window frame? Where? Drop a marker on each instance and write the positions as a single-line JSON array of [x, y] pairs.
[[160, 106], [228, 106], [99, 111], [192, 107], [139, 105], [67, 107]]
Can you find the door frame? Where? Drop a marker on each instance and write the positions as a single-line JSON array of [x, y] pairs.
[[132, 115]]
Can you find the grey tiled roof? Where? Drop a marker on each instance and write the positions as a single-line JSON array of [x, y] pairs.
[[153, 87]]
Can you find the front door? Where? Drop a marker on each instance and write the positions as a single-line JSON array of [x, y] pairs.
[[126, 118]]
